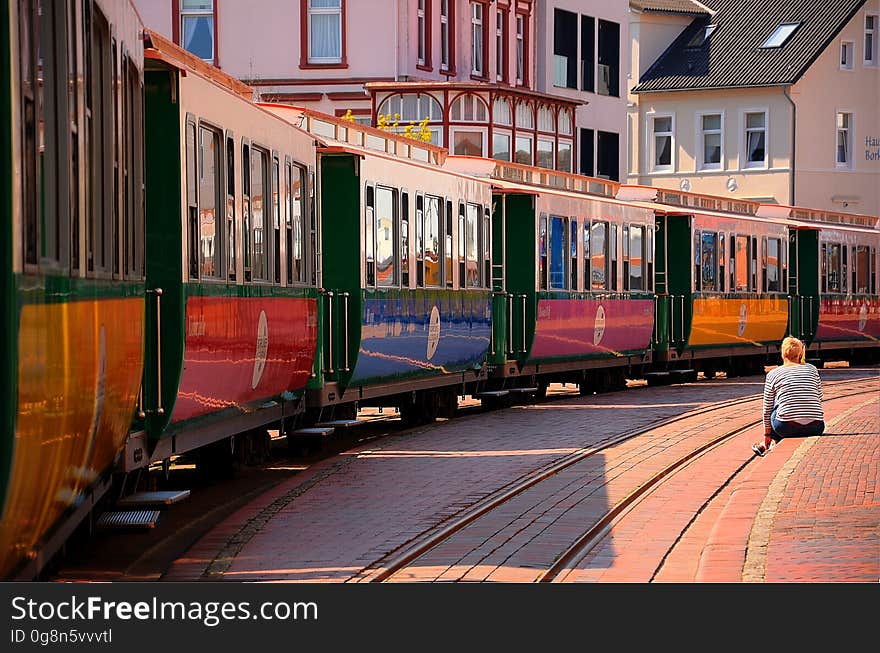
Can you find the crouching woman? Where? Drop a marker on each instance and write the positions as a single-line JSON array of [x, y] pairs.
[[792, 399]]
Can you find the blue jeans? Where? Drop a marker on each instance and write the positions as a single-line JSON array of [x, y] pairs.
[[794, 429]]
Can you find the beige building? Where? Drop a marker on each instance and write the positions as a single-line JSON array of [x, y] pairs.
[[774, 101]]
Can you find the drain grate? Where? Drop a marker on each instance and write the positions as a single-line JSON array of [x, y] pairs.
[[128, 519]]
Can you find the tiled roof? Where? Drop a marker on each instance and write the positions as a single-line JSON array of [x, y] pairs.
[[670, 6], [733, 57]]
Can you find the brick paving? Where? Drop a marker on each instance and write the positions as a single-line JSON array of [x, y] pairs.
[[330, 522]]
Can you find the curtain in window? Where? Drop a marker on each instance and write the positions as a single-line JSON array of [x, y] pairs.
[[325, 30]]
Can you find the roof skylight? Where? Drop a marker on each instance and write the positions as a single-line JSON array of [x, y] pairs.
[[701, 36], [780, 35]]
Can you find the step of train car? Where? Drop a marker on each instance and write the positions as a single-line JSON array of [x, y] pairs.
[[149, 499], [127, 519]]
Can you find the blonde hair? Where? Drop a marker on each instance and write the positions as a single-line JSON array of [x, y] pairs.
[[793, 350]]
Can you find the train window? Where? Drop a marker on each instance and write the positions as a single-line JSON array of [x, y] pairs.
[[432, 263], [625, 246], [420, 241], [369, 242], [134, 175], [573, 253], [448, 245], [311, 257], [276, 219], [740, 267], [636, 257], [542, 252], [296, 268], [259, 182], [599, 256], [861, 269], [612, 247], [649, 257], [487, 248], [31, 106], [587, 257], [210, 260], [118, 167], [404, 239], [722, 258], [771, 264], [192, 207], [708, 261], [844, 269], [873, 259], [753, 282], [230, 207], [386, 237], [246, 208], [473, 246], [834, 260], [823, 267], [558, 253], [101, 235], [462, 235], [696, 254]]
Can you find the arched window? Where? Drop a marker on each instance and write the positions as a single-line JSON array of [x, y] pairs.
[[501, 114], [525, 117], [565, 125], [545, 119], [469, 108], [412, 107]]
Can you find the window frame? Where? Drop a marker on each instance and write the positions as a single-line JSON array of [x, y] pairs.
[[448, 19], [480, 26], [847, 55], [424, 28], [874, 34], [652, 149], [701, 164], [745, 162], [178, 31], [522, 48], [307, 61], [849, 142], [219, 198]]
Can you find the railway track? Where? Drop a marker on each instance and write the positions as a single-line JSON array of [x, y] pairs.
[[399, 565]]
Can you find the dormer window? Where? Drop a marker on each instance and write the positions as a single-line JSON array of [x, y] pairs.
[[701, 36], [780, 35]]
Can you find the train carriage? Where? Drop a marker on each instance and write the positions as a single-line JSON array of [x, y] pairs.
[[835, 306], [232, 275], [71, 263], [407, 269], [574, 278]]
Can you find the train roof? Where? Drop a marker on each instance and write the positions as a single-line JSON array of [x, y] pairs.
[[158, 48], [507, 175], [356, 138]]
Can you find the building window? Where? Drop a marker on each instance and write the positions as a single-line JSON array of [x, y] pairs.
[[565, 125], [445, 43], [846, 55], [546, 122], [525, 118], [780, 35], [663, 143], [325, 31], [467, 143], [565, 33], [197, 28], [609, 59], [477, 43], [586, 152], [501, 146], [524, 150], [711, 140], [700, 37], [756, 139], [501, 112], [468, 108], [844, 140], [423, 32], [501, 45], [871, 37], [608, 155], [588, 54], [521, 52], [545, 158], [563, 156]]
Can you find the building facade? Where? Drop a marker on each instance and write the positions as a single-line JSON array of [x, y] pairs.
[[482, 72], [775, 102]]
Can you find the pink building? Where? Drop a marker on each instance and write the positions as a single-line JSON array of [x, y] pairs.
[[480, 71]]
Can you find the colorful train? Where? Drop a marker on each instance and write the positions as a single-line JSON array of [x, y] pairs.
[[185, 268]]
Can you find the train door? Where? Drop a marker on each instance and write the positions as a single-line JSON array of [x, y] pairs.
[[520, 267], [803, 283], [673, 286]]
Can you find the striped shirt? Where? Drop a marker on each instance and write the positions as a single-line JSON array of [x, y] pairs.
[[795, 391]]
